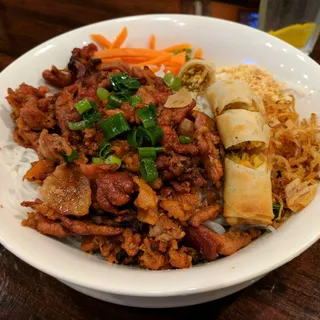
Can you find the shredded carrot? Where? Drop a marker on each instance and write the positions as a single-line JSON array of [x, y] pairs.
[[110, 59], [174, 70], [178, 47], [127, 52], [101, 40], [158, 60], [133, 60], [179, 58], [152, 42], [198, 53], [120, 39]]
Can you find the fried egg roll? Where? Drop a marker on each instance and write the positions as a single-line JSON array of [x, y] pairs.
[[233, 94], [247, 190], [243, 130]]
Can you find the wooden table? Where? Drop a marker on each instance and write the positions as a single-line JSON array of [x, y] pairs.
[[290, 292]]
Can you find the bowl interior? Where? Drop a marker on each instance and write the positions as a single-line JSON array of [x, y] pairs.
[[226, 44]]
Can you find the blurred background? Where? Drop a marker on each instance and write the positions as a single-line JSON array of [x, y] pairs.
[[25, 24]]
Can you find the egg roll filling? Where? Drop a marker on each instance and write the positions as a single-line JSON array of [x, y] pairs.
[[195, 77], [252, 161]]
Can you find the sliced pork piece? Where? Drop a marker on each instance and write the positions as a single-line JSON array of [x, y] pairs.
[[85, 227], [45, 226], [114, 189], [67, 191], [52, 146]]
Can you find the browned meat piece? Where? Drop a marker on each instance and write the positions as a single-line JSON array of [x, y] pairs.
[[171, 141], [181, 206], [180, 168], [204, 240], [45, 226], [129, 113], [186, 128], [66, 111], [36, 119], [204, 214], [114, 189], [156, 184], [152, 258], [230, 242], [52, 146], [57, 78], [39, 170], [131, 162], [42, 208], [85, 227], [25, 95], [180, 258], [202, 120], [96, 171], [166, 229], [67, 191], [120, 147], [145, 75], [146, 203], [181, 187], [121, 66], [206, 141], [147, 94], [23, 135], [173, 165], [131, 242], [168, 117], [211, 194], [80, 61], [90, 243]]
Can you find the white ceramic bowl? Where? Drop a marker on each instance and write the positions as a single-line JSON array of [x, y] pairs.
[[225, 43]]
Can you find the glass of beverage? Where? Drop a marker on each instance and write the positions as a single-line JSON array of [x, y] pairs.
[[294, 21]]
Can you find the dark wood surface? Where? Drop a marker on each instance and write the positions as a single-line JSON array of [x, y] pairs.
[[290, 292]]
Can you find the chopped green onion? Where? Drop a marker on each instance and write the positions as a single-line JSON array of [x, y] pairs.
[[172, 81], [135, 138], [124, 86], [276, 209], [112, 159], [72, 157], [148, 116], [114, 102], [152, 135], [148, 169], [102, 93], [77, 125], [83, 106], [185, 139], [114, 125], [97, 160], [147, 152], [91, 116], [104, 148], [158, 149], [134, 100]]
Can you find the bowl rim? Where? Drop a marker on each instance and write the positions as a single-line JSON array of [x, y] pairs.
[[130, 291]]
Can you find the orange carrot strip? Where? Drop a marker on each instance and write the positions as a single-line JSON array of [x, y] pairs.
[[133, 60], [198, 53], [101, 40], [120, 39], [152, 42], [173, 70], [178, 47], [110, 59], [179, 58], [157, 60], [126, 52]]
